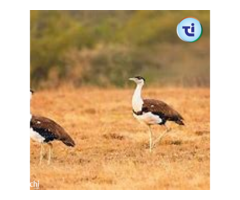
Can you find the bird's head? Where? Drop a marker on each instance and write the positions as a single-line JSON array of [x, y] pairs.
[[138, 80], [31, 93]]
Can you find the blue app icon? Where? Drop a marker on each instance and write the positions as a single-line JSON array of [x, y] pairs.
[[189, 29]]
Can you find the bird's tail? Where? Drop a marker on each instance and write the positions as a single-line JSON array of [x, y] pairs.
[[180, 122], [68, 141]]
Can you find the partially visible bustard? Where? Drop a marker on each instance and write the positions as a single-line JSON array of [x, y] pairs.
[[45, 130]]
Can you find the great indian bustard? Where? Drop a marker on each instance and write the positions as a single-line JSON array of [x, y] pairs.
[[45, 130], [151, 111]]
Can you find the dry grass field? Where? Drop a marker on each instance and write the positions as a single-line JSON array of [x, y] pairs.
[[111, 149]]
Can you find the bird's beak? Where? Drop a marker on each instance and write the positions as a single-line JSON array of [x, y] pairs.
[[131, 79]]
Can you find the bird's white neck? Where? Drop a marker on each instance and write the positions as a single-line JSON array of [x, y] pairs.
[[30, 116], [137, 101], [30, 98]]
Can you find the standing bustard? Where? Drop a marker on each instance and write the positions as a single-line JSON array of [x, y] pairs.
[[151, 111], [45, 130]]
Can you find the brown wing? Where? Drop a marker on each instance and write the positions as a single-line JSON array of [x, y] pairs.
[[162, 109], [50, 130]]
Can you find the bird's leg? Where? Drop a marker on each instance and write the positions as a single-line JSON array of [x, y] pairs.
[[41, 154], [150, 139], [49, 153], [161, 136]]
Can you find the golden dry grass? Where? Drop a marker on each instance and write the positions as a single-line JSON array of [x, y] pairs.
[[112, 147]]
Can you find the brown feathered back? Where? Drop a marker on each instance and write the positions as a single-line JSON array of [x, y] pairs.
[[162, 109], [50, 130]]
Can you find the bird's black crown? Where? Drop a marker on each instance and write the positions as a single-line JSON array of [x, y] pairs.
[[31, 91], [140, 78]]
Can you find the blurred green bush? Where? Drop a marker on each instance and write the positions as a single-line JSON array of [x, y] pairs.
[[105, 48]]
